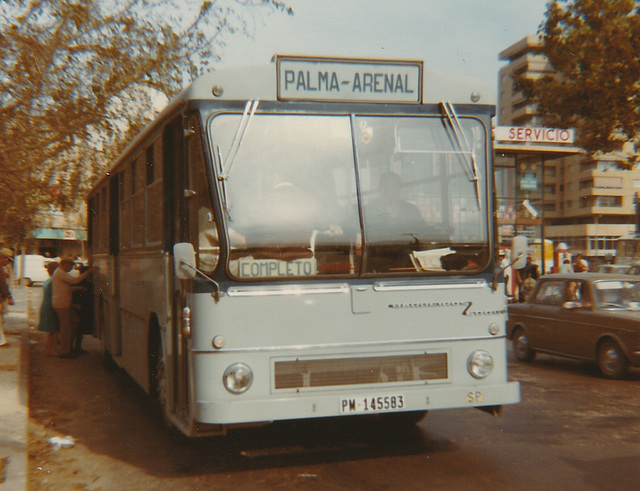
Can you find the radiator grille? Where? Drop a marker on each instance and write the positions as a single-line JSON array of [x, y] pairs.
[[296, 374]]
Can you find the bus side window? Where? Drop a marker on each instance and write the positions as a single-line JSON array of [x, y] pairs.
[[203, 230]]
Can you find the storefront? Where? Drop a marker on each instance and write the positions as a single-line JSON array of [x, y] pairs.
[[529, 168]]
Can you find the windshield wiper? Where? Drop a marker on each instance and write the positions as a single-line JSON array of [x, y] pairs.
[[249, 110], [225, 165], [464, 147]]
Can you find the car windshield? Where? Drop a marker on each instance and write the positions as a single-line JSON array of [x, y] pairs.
[[617, 294], [300, 202]]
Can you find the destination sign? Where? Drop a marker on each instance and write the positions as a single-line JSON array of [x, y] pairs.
[[346, 79]]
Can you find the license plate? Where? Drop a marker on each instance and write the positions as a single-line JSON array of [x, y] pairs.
[[371, 404]]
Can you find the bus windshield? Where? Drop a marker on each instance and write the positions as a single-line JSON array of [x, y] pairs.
[[308, 195]]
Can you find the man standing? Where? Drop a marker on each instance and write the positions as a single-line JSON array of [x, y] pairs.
[[62, 294], [6, 255]]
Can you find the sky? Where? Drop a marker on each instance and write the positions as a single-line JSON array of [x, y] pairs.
[[459, 36]]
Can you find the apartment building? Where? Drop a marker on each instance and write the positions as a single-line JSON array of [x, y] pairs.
[[582, 203]]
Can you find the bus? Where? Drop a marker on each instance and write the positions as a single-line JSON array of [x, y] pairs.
[[310, 238]]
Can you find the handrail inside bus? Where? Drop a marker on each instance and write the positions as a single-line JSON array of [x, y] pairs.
[[463, 144]]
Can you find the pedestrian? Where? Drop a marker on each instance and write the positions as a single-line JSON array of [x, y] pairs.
[[581, 264], [565, 267], [48, 318], [62, 296], [528, 285], [6, 256], [530, 269], [83, 306]]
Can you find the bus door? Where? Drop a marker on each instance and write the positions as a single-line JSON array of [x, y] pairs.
[[174, 344], [113, 341], [197, 225]]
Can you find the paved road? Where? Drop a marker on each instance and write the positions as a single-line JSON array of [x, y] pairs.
[[573, 431]]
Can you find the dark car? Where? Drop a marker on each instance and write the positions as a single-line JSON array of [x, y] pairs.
[[587, 316]]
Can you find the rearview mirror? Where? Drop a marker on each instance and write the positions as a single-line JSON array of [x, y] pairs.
[[519, 248], [184, 260]]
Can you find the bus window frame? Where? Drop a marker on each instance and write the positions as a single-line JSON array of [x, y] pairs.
[[465, 111]]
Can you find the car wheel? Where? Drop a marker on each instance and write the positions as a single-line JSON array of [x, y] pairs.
[[521, 346], [611, 360]]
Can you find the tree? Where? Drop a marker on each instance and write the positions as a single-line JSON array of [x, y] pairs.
[[594, 49], [76, 76]]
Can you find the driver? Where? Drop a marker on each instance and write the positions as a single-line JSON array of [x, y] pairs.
[[389, 210]]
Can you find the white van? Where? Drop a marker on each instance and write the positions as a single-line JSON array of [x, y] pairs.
[[31, 268]]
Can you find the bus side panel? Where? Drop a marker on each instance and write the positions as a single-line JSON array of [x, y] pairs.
[[105, 307], [141, 297]]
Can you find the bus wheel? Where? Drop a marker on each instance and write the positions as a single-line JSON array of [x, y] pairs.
[[408, 418], [611, 360], [521, 346], [108, 362], [158, 384]]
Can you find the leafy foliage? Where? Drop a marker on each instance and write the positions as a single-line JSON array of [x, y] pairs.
[[77, 75], [594, 48]]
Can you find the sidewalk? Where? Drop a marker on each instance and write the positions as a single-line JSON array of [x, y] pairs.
[[13, 390]]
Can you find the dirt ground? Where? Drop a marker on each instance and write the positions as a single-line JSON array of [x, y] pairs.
[[573, 430], [82, 411]]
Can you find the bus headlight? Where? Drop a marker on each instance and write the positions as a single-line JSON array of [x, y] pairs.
[[480, 364], [237, 378]]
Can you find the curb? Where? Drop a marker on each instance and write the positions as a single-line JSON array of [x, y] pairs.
[[14, 396]]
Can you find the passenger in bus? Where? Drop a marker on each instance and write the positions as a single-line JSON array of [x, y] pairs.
[[289, 216], [393, 226]]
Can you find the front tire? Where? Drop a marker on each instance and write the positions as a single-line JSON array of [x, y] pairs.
[[158, 384], [108, 362], [521, 347], [611, 360]]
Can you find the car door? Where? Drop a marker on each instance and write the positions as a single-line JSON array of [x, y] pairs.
[[545, 307], [576, 324]]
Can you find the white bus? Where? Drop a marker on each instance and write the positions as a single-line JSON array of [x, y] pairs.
[[310, 238]]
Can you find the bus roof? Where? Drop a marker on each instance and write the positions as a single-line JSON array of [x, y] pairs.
[[381, 81], [267, 82]]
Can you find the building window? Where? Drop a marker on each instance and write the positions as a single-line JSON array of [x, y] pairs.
[[586, 184], [588, 165], [609, 201], [607, 182]]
